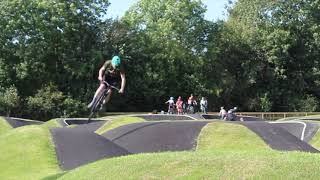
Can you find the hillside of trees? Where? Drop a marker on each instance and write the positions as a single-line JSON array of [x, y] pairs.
[[264, 57]]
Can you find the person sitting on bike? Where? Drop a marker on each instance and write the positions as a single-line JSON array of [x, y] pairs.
[[192, 103], [179, 105], [110, 72], [171, 105], [230, 115]]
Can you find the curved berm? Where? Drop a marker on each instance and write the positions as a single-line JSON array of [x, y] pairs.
[[80, 145], [302, 130], [76, 121], [277, 137], [18, 122], [164, 117], [157, 136]]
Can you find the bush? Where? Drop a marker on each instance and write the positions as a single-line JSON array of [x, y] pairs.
[[46, 104], [9, 100], [72, 107], [308, 104]]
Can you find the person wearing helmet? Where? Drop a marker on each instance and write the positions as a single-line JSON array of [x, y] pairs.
[[110, 72], [171, 105], [230, 115]]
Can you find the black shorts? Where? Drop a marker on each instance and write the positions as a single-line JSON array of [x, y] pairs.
[[113, 81]]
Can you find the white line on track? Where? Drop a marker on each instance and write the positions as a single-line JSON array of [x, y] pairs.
[[297, 122]]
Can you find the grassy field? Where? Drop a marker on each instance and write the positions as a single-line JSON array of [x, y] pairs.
[[203, 165], [28, 153], [4, 126]]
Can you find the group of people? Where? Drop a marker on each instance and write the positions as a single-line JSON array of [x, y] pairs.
[[189, 107]]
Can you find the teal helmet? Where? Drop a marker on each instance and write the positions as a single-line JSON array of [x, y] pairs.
[[116, 61]]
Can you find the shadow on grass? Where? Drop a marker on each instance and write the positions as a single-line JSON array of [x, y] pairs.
[[55, 176]]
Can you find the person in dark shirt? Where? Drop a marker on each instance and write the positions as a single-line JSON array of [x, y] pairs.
[[110, 72]]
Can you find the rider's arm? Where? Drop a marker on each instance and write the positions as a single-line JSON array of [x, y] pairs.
[[101, 71], [123, 82]]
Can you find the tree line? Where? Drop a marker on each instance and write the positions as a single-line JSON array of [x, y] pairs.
[[264, 57]]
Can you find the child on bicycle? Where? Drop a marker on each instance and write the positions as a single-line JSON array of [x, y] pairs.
[[171, 105], [110, 72], [179, 105]]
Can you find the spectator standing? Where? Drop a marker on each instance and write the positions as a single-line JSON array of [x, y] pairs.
[[179, 105], [171, 105], [223, 113], [191, 104], [203, 105]]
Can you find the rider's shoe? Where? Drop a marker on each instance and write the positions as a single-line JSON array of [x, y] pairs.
[[90, 105], [103, 103]]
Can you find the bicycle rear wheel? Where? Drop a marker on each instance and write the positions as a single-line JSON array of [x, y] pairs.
[[97, 103]]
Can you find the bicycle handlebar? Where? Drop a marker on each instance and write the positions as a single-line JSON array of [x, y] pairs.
[[110, 86]]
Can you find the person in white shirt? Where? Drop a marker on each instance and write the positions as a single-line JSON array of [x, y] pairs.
[[203, 105], [171, 105], [223, 113]]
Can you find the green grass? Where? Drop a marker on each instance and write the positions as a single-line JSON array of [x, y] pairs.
[[203, 165], [4, 126], [224, 151], [112, 124], [227, 136], [315, 141], [28, 153]]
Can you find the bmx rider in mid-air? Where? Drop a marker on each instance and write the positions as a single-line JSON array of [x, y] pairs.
[[110, 72]]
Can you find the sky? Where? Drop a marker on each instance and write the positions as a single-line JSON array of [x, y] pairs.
[[215, 8]]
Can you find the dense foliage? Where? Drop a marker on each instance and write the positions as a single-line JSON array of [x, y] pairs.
[[264, 57]]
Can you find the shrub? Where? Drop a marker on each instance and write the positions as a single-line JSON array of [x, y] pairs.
[[46, 103], [9, 100]]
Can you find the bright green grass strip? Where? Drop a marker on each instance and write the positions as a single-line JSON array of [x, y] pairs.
[[27, 153], [112, 124], [315, 141], [52, 123], [203, 165], [229, 136], [4, 126]]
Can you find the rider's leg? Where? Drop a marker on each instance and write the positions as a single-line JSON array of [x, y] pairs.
[[107, 99], [98, 91]]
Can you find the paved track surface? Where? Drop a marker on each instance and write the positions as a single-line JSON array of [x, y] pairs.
[[245, 118], [278, 138], [80, 145], [79, 121], [157, 136], [16, 122], [302, 130], [164, 117]]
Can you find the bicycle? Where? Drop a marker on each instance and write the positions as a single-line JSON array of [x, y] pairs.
[[98, 103], [190, 109], [171, 109]]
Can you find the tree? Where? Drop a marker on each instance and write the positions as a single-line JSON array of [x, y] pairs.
[[9, 100], [166, 49]]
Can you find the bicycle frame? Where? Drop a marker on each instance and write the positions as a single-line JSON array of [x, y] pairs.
[[99, 102]]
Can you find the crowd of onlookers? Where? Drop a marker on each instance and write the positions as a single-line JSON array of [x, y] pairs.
[[191, 106]]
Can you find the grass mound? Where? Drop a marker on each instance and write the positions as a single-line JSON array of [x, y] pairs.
[[4, 126], [203, 165], [27, 153], [227, 136], [112, 124]]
